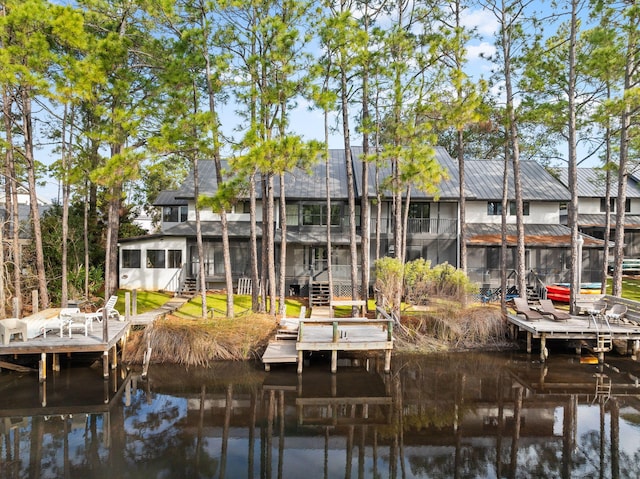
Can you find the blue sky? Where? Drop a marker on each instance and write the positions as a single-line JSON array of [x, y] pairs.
[[309, 123]]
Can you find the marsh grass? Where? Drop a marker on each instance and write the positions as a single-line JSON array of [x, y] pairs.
[[448, 326], [199, 342]]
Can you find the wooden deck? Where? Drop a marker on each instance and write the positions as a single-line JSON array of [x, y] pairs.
[[578, 328], [322, 334], [55, 345]]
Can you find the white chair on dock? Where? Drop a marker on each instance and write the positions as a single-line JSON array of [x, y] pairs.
[[80, 321], [11, 326], [109, 307], [616, 313], [62, 322]]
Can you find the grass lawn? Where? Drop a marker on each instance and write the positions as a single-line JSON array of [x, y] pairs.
[[217, 304], [147, 300], [630, 288]]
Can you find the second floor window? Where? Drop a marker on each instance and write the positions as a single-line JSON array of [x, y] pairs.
[[174, 214], [419, 210], [494, 208], [316, 215], [525, 208], [612, 204]]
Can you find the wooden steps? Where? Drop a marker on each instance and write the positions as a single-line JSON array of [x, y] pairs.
[[279, 352]]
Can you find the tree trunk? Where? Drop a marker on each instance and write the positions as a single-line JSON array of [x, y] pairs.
[[271, 258], [253, 244], [11, 198], [630, 72], [33, 198], [283, 246], [515, 156], [353, 245], [576, 262]]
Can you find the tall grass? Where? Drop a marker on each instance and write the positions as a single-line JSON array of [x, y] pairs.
[[448, 326], [198, 343]]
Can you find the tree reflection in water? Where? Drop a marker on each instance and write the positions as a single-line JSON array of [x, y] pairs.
[[437, 416]]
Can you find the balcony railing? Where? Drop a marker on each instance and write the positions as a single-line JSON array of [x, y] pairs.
[[428, 226]]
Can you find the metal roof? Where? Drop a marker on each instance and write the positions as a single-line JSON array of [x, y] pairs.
[[598, 221], [592, 183], [483, 180], [168, 198]]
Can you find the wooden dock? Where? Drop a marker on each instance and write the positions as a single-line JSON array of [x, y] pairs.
[[77, 342], [334, 335], [579, 329]]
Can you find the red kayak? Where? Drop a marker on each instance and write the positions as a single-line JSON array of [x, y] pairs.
[[560, 291]]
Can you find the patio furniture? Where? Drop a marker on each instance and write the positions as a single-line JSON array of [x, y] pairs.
[[596, 312], [80, 321], [61, 322], [11, 326], [548, 308], [616, 313], [109, 307], [522, 307]]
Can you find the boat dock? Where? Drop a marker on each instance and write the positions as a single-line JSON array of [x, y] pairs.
[[334, 335], [580, 329], [100, 338]]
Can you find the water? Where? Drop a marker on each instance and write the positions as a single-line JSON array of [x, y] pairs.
[[460, 415]]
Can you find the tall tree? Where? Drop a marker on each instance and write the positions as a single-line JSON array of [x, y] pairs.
[[460, 109], [510, 17], [121, 51]]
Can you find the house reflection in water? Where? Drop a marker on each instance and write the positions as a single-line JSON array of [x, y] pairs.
[[465, 415]]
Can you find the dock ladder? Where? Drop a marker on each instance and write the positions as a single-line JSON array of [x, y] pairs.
[[604, 341], [603, 388]]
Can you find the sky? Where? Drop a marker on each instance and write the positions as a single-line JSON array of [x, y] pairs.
[[309, 123]]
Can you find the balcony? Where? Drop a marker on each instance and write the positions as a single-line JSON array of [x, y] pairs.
[[423, 226]]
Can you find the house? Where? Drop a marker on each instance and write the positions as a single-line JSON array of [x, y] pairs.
[[547, 240], [165, 260], [591, 184]]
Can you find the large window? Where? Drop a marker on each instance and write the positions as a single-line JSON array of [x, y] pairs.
[[174, 258], [131, 258], [494, 208], [419, 210], [612, 203], [155, 258], [316, 215], [174, 214], [525, 208]]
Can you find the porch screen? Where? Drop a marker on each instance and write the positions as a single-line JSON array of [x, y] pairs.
[[155, 258], [131, 258]]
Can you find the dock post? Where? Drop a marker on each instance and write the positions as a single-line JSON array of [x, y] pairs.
[[635, 348], [387, 361], [544, 353], [528, 342], [334, 361], [43, 394], [105, 364], [127, 305], [145, 362], [300, 361], [42, 367], [114, 357], [55, 362]]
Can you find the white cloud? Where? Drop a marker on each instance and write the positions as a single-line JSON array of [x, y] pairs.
[[477, 51], [483, 21]]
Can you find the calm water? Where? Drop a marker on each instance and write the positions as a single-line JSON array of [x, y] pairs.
[[462, 415]]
